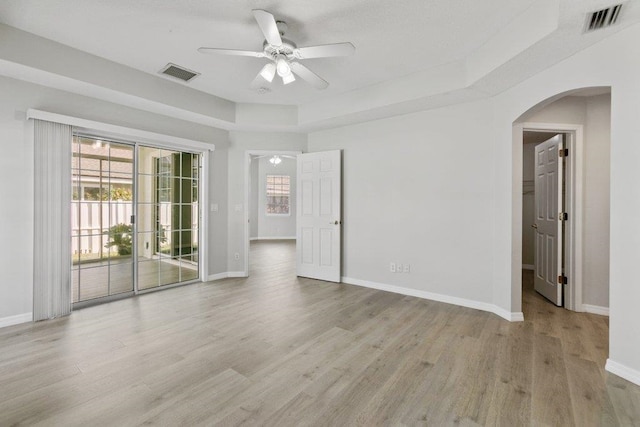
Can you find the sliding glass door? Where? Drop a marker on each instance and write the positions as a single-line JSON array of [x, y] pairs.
[[134, 217]]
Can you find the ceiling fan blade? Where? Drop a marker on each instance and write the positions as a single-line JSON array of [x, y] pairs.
[[309, 76], [232, 52], [267, 24], [325, 51]]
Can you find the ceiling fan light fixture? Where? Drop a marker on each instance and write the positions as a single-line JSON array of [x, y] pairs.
[[268, 72], [275, 160], [289, 78], [282, 66]]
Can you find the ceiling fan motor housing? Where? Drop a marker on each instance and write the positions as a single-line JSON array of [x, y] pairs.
[[287, 49]]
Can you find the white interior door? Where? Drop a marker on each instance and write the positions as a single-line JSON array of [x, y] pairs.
[[318, 221], [548, 204]]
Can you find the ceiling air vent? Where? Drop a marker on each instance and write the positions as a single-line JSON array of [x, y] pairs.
[[178, 72], [603, 18]]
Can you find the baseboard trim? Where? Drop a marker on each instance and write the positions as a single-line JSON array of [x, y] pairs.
[[272, 238], [16, 319], [491, 308], [236, 274], [217, 276], [225, 275], [516, 316], [596, 309], [528, 267], [623, 371]]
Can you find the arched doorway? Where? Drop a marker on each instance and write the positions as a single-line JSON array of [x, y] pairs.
[[584, 117]]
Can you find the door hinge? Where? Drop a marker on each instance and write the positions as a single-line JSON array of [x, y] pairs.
[[563, 216], [563, 152], [562, 279]]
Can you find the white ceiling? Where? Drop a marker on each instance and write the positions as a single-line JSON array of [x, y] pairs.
[[392, 39], [410, 54]]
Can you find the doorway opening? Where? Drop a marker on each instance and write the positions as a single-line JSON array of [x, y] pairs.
[[568, 257], [582, 118], [270, 197], [545, 213]]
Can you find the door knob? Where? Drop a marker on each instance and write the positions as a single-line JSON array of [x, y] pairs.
[[534, 225], [335, 223]]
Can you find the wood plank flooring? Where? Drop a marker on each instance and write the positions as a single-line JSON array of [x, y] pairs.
[[278, 350]]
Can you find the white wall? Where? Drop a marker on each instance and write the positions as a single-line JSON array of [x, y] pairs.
[[594, 113], [276, 226], [417, 189], [596, 216], [16, 177]]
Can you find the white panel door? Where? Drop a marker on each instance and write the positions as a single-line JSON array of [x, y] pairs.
[[548, 204], [318, 220]]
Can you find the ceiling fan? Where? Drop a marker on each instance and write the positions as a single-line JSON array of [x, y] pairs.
[[283, 54]]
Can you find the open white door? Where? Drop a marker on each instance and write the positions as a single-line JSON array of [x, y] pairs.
[[318, 221], [548, 223]]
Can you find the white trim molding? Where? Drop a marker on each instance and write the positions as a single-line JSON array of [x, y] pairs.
[[596, 309], [115, 131], [478, 305], [623, 371], [218, 276], [273, 238], [226, 275], [237, 274], [16, 319]]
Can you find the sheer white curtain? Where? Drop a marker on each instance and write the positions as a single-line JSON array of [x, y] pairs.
[[52, 253]]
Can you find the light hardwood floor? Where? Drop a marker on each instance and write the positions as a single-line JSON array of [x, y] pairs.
[[278, 350]]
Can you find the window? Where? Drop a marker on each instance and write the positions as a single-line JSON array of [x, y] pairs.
[[278, 190]]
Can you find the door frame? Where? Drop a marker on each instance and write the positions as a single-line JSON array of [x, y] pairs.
[[573, 202], [247, 187]]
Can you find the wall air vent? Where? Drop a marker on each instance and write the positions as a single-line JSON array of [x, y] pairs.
[[602, 18], [178, 72]]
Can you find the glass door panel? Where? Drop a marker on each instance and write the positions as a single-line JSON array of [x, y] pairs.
[[167, 217], [101, 209]]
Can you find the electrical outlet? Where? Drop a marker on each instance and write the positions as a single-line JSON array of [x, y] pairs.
[[392, 267], [237, 256], [399, 269], [407, 268]]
